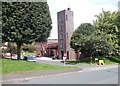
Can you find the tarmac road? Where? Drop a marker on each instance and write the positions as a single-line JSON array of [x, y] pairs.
[[90, 76]]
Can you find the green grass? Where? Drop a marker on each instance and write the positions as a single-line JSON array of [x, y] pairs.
[[27, 53], [107, 61], [15, 66], [76, 62], [86, 61]]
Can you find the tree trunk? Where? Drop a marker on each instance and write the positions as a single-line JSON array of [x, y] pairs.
[[18, 51]]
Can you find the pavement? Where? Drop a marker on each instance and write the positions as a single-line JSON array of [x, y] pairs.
[[48, 60], [78, 68]]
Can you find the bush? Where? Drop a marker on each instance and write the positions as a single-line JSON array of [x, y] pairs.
[[114, 58], [29, 48], [6, 50], [12, 49]]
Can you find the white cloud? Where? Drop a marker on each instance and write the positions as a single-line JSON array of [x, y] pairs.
[[84, 10]]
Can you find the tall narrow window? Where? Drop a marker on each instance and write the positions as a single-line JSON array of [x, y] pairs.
[[61, 36], [66, 17], [62, 45], [67, 35], [60, 19], [60, 27]]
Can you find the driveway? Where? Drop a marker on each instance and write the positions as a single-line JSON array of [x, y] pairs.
[[48, 60]]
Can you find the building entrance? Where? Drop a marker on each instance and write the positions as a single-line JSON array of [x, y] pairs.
[[62, 54]]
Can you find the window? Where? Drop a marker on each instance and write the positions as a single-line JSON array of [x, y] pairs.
[[67, 35], [66, 17], [61, 27], [60, 19], [61, 36], [62, 45]]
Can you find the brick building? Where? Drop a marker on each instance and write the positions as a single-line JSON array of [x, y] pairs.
[[48, 48], [62, 45]]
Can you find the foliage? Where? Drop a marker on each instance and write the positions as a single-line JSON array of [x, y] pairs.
[[113, 58], [100, 39], [25, 22], [6, 50], [80, 35], [11, 48], [88, 41], [29, 48], [107, 23]]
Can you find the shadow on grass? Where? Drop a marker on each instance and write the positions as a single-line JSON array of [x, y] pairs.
[[107, 60], [81, 61], [114, 58]]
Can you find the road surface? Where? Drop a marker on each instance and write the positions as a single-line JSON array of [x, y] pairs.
[[103, 76]]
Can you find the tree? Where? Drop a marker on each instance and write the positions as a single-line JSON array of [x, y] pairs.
[[80, 36], [88, 41], [108, 24], [25, 22]]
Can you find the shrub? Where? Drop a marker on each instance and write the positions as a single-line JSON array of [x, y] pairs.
[[114, 58], [29, 48], [12, 49]]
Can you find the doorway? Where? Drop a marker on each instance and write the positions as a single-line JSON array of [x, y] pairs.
[[68, 55], [62, 54]]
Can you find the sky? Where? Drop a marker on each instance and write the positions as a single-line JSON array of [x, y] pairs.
[[84, 11]]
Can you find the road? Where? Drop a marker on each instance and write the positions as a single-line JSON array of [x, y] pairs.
[[104, 76]]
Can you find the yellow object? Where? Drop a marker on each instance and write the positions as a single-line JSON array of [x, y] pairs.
[[101, 62]]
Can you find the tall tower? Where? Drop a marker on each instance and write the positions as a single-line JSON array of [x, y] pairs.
[[65, 31]]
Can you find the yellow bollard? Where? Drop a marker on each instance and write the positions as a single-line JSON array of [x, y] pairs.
[[101, 62]]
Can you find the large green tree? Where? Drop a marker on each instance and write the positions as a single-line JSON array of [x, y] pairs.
[[25, 22], [80, 37], [107, 23], [88, 41]]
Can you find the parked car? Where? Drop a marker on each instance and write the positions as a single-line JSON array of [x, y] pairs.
[[8, 55], [38, 55], [14, 56], [30, 58], [33, 55], [4, 55]]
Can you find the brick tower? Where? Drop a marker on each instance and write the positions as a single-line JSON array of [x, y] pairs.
[[65, 31]]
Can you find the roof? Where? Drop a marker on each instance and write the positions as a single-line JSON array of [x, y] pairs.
[[52, 45]]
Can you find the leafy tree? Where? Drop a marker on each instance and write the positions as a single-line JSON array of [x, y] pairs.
[[108, 24], [81, 36], [25, 22], [88, 41]]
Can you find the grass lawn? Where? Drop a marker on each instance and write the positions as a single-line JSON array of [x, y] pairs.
[[87, 61], [107, 61], [27, 53], [76, 62], [14, 66]]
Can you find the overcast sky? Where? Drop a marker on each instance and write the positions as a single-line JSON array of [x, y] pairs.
[[84, 11]]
